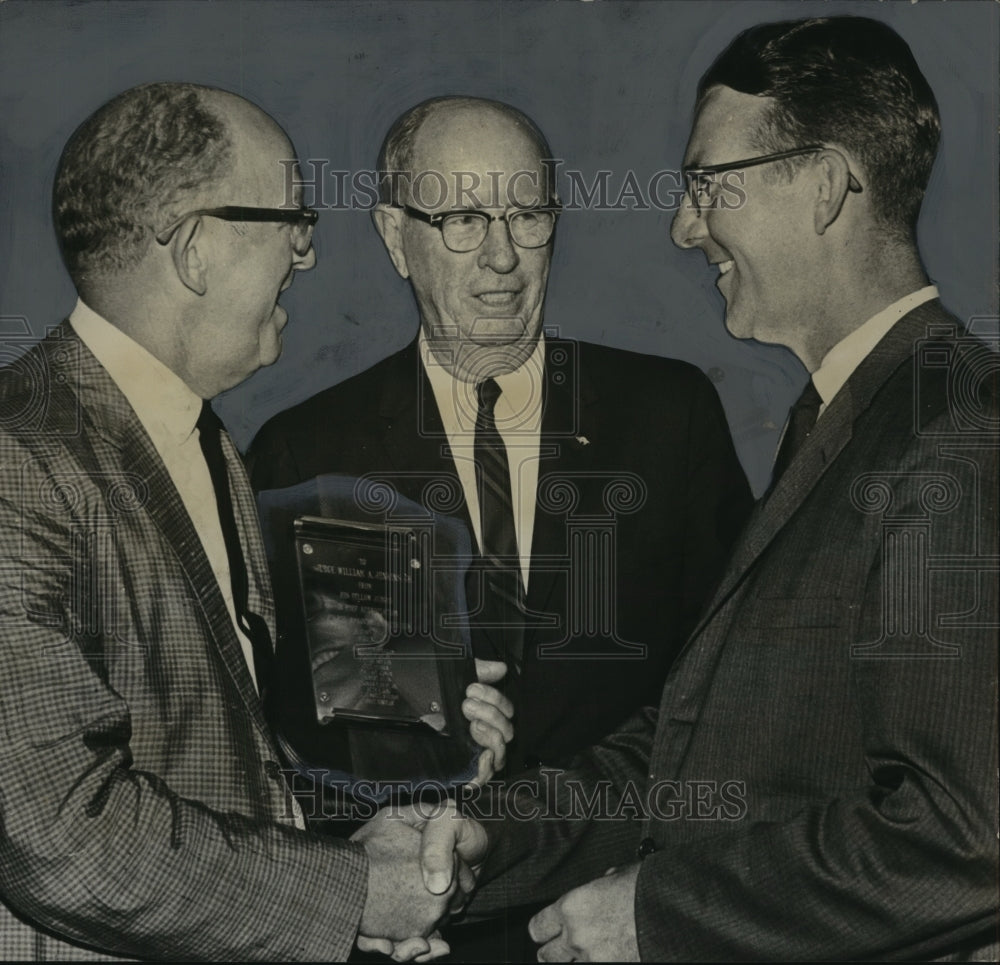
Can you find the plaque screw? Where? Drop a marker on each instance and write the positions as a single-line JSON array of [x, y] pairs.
[[307, 549], [324, 697], [435, 706]]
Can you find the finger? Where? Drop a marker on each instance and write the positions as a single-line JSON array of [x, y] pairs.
[[546, 925], [484, 712], [490, 695], [485, 769], [556, 951], [611, 871], [438, 948], [381, 946], [490, 671], [410, 949], [437, 849]]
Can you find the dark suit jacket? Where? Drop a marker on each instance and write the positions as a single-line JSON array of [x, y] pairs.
[[144, 813], [820, 778], [635, 450]]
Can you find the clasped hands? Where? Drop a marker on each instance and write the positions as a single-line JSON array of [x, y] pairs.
[[422, 865]]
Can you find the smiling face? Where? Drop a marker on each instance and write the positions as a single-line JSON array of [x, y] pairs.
[[481, 310], [766, 248]]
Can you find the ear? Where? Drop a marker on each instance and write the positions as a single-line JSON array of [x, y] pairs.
[[187, 248], [389, 225], [834, 185]]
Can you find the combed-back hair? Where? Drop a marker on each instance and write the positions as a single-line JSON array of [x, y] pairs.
[[850, 81]]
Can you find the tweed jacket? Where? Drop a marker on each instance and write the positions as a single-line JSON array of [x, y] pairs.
[[144, 813]]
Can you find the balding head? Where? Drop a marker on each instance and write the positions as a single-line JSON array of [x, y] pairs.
[[398, 160], [141, 159]]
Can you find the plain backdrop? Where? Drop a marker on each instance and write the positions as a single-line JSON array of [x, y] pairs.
[[611, 84]]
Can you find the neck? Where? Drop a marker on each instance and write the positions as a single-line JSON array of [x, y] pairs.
[[147, 319], [855, 290]]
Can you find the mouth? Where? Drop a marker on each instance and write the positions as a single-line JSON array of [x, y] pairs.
[[498, 298]]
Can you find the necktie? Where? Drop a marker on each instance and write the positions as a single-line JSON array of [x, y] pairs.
[[801, 420], [210, 431], [502, 609]]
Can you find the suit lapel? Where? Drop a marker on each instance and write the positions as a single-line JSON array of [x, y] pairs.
[[114, 420], [571, 436], [831, 435], [414, 434]]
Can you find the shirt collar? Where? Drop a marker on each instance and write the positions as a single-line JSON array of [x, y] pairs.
[[840, 362], [520, 395], [166, 407]]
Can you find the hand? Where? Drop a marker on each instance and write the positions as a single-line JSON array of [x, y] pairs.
[[489, 713], [592, 923], [398, 904], [449, 842]]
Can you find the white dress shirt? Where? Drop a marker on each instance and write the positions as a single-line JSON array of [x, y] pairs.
[[839, 363], [168, 411], [518, 416]]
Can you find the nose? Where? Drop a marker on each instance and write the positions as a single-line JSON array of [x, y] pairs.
[[498, 251], [688, 228]]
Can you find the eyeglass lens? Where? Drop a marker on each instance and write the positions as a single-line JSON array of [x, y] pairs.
[[466, 230]]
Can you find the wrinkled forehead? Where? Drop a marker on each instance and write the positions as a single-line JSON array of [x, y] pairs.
[[725, 127], [475, 157]]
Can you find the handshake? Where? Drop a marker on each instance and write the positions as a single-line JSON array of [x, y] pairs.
[[422, 866]]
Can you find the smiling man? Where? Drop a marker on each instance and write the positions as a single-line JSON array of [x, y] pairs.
[[819, 780], [600, 486], [144, 811]]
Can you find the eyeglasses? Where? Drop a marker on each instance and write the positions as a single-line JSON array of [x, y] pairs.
[[466, 230], [301, 220], [703, 189]]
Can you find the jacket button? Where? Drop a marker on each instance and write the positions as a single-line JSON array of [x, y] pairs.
[[272, 770], [646, 847]]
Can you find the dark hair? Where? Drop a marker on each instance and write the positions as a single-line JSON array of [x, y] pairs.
[[396, 155], [140, 152], [843, 80]]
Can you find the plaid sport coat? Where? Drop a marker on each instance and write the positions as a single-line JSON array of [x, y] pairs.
[[142, 809]]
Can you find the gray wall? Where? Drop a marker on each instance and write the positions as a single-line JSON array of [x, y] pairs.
[[612, 86]]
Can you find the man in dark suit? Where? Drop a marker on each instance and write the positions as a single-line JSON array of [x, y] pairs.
[[144, 809], [624, 488], [819, 781], [619, 492]]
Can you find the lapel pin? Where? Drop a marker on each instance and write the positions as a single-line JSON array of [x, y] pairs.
[[583, 440]]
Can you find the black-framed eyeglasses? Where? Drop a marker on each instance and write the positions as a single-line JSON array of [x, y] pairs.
[[302, 221], [704, 188], [466, 230]]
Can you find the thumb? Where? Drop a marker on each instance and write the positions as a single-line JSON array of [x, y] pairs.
[[490, 671], [438, 844]]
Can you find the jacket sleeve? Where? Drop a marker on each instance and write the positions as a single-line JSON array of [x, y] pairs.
[[553, 830], [102, 853]]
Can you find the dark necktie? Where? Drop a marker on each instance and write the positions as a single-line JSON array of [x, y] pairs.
[[801, 420], [210, 431], [502, 610]]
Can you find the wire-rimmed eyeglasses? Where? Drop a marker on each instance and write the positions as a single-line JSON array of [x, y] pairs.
[[704, 188]]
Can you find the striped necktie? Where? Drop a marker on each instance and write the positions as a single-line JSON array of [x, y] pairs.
[[501, 614]]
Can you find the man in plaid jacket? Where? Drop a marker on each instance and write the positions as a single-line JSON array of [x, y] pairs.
[[144, 812]]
